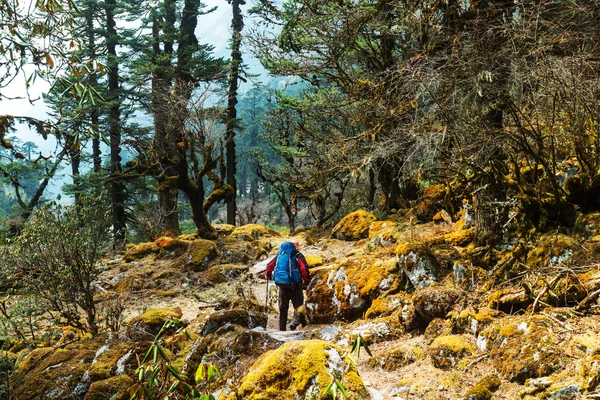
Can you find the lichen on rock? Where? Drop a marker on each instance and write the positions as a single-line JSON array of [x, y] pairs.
[[418, 263]]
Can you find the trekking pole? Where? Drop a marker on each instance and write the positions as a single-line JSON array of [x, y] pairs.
[[267, 304]]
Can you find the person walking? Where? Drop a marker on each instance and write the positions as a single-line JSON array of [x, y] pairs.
[[289, 270]]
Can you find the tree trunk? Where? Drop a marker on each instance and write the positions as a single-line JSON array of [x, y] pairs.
[[237, 24], [162, 144], [75, 155], [89, 18], [117, 189], [372, 190]]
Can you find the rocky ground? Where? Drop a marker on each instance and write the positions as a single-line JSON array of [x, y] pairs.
[[443, 318]]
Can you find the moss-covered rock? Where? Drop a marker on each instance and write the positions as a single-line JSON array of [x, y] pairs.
[[397, 357], [484, 388], [300, 370], [171, 247], [222, 320], [438, 327], [418, 263], [54, 373], [354, 226], [384, 233], [140, 251], [552, 249], [114, 388], [254, 231], [314, 261], [435, 301], [522, 351], [590, 372], [447, 351], [147, 325], [385, 306], [224, 229], [509, 300], [225, 273], [474, 321], [346, 290], [199, 254]]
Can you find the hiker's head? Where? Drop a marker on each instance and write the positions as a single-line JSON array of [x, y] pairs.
[[296, 244]]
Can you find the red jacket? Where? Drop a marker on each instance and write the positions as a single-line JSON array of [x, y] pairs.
[[302, 264]]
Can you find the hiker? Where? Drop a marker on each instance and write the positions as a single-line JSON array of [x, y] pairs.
[[289, 270]]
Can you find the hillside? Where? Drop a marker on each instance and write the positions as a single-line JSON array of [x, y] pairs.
[[441, 321]]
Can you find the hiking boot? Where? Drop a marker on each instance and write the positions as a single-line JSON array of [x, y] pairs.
[[293, 326]]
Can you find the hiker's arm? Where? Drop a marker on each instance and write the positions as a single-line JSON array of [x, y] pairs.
[[303, 268], [270, 268]]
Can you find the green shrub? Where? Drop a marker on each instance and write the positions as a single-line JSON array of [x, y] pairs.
[[55, 258]]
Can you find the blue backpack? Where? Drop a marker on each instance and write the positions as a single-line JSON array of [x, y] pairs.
[[286, 271]]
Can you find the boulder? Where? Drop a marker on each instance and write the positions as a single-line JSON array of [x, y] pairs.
[[114, 388], [385, 306], [147, 325], [552, 249], [484, 388], [418, 263], [223, 320], [141, 250], [438, 327], [314, 261], [397, 357], [474, 321], [383, 233], [590, 372], [225, 273], [435, 301], [354, 226], [50, 373], [301, 370], [447, 351], [346, 290], [224, 229], [252, 232], [199, 254], [522, 351], [171, 247]]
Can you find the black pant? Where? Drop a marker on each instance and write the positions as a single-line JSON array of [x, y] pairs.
[[287, 293]]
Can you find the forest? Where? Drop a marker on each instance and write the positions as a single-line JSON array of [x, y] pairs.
[[434, 157]]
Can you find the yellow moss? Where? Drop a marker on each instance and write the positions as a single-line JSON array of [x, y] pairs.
[[588, 343], [140, 251], [290, 370], [483, 390], [225, 272], [253, 232], [224, 229], [380, 227], [199, 253], [454, 344], [314, 261], [354, 226], [115, 388], [549, 246], [157, 316], [434, 190]]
